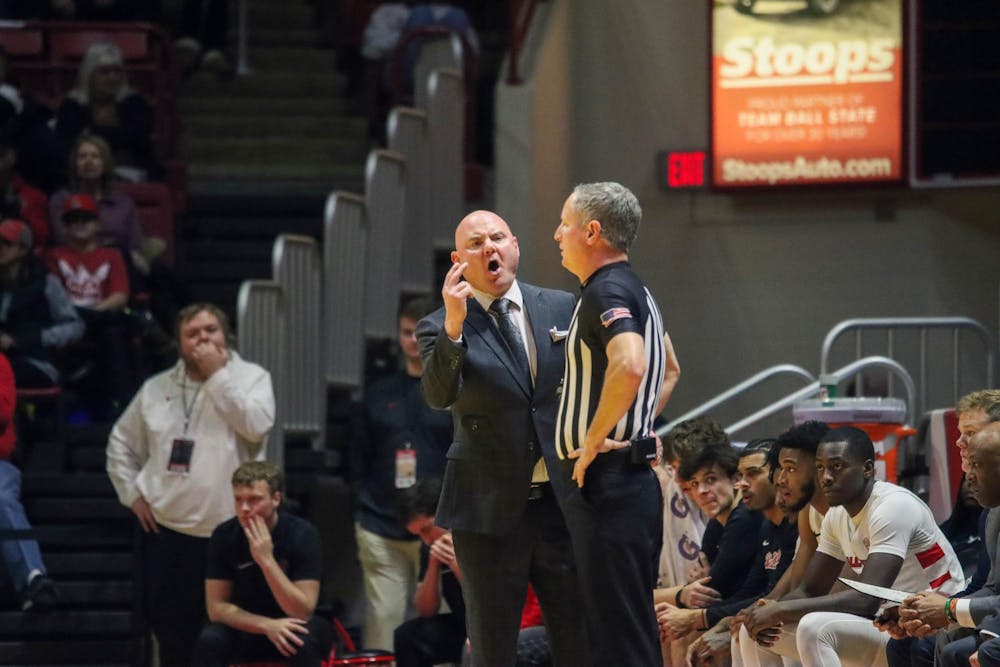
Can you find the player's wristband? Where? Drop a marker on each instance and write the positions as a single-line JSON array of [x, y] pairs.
[[677, 599]]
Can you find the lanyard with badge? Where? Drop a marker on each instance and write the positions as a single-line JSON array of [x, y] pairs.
[[183, 447], [406, 456]]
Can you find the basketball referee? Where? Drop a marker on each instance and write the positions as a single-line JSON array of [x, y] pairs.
[[620, 371]]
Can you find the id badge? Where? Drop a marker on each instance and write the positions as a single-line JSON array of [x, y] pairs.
[[180, 455], [406, 468]]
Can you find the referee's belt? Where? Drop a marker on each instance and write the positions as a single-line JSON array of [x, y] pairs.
[[539, 490]]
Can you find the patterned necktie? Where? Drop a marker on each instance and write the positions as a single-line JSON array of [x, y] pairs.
[[512, 336]]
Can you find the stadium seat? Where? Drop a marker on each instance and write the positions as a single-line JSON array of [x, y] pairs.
[[155, 205]]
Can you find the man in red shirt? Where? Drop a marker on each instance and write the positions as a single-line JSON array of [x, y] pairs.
[[97, 283]]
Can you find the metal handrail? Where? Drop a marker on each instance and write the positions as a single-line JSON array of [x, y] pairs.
[[742, 387], [923, 325], [808, 391], [840, 374]]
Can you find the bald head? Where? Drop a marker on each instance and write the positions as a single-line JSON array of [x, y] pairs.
[[983, 465], [485, 244]]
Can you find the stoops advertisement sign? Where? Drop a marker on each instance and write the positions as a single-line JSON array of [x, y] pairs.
[[806, 92]]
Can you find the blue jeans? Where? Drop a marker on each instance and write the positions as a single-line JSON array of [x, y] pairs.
[[19, 556]]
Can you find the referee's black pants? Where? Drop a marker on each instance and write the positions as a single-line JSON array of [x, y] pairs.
[[617, 533]]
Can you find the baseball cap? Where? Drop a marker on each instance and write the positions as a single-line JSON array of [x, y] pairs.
[[15, 231], [80, 203]]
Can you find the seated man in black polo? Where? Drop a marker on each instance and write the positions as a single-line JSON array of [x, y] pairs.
[[262, 580], [433, 637]]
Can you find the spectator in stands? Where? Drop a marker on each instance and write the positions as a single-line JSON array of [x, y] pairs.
[[20, 200], [884, 533], [203, 36], [103, 103], [91, 169], [22, 559], [402, 442], [262, 580], [778, 535], [91, 173], [36, 316], [388, 23], [39, 156], [432, 637], [97, 283], [169, 457]]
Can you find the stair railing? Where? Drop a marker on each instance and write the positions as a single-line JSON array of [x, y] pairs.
[[808, 391], [743, 387]]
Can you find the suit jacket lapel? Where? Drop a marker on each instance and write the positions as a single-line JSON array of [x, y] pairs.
[[480, 322], [536, 311]]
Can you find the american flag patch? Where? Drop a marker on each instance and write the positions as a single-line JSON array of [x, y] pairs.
[[609, 316]]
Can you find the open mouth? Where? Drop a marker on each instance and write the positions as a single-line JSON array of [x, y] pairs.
[[493, 266]]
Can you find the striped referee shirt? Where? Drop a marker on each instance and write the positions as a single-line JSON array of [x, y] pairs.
[[612, 301]]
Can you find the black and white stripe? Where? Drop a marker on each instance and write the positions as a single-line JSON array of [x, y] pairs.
[[585, 368]]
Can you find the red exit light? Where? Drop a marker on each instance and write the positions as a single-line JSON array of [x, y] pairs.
[[685, 169]]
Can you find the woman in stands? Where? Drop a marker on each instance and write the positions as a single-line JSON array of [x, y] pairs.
[[103, 103], [156, 291], [91, 172]]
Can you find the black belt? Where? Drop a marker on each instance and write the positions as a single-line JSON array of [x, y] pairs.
[[539, 490]]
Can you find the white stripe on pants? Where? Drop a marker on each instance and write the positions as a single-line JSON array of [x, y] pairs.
[[820, 639]]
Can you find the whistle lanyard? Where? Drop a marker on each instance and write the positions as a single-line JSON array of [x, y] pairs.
[[188, 407]]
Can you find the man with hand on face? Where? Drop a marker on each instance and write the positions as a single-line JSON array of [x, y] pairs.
[[884, 533], [262, 580], [169, 457], [494, 355]]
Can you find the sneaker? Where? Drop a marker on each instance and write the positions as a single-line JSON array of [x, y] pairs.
[[41, 594]]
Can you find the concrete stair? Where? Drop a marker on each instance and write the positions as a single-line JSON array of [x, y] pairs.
[[288, 125]]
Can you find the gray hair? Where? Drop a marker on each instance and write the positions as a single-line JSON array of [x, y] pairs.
[[614, 206], [97, 55]]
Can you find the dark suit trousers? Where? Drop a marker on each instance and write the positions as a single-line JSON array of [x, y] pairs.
[[953, 647], [617, 535], [496, 570], [989, 653]]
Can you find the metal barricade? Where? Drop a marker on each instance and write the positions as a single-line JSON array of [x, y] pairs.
[[445, 131], [345, 238], [261, 323], [928, 381], [385, 201], [407, 134], [296, 268], [442, 53]]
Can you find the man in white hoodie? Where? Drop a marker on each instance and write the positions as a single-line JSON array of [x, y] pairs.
[[170, 457]]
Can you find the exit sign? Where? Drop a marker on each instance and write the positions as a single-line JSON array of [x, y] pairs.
[[678, 170]]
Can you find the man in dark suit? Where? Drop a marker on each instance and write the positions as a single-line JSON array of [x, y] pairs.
[[494, 355]]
